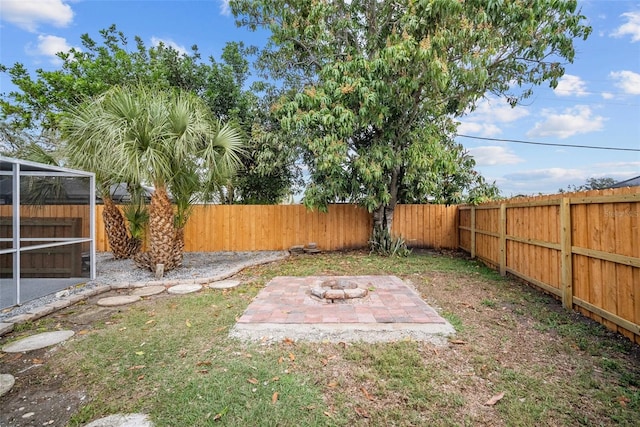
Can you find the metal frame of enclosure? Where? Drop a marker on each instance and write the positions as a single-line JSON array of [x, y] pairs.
[[47, 230]]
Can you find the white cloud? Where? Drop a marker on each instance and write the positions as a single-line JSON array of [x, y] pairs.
[[631, 27], [548, 175], [224, 8], [496, 110], [482, 121], [494, 155], [478, 129], [628, 81], [550, 180], [619, 165], [571, 86], [28, 14], [607, 95], [50, 45], [155, 41], [573, 121]]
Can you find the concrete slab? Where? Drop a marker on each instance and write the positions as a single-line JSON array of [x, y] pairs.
[[391, 311], [343, 332], [6, 383], [147, 291], [118, 300], [184, 289], [38, 341], [122, 420], [225, 284]]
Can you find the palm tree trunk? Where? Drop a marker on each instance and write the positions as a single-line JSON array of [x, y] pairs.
[[116, 231], [161, 230], [178, 247]]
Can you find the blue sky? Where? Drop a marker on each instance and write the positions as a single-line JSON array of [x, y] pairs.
[[597, 103]]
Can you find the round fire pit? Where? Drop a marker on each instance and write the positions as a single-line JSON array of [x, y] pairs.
[[338, 290]]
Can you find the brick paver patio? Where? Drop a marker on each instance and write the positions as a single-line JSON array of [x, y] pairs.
[[287, 300]]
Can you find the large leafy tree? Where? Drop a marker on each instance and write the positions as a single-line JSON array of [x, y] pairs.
[[376, 85], [165, 138]]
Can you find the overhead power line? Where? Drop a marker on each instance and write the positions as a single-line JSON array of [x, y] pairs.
[[517, 141]]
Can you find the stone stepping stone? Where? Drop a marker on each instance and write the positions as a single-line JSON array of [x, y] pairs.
[[118, 300], [122, 420], [147, 291], [184, 289], [38, 341], [224, 284], [6, 382]]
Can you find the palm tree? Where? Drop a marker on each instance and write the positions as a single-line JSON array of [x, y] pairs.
[[84, 150], [166, 138]]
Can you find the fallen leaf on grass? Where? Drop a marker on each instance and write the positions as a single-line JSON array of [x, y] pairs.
[[274, 398], [252, 380], [83, 332], [332, 384], [366, 393], [326, 413], [37, 361], [292, 357], [623, 400], [148, 322], [495, 399], [361, 412], [139, 353], [220, 414], [140, 377], [275, 379], [136, 367], [188, 323], [204, 363], [458, 342], [203, 371], [324, 362], [288, 341], [280, 359], [16, 357]]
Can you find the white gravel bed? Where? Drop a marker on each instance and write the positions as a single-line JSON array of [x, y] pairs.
[[196, 265]]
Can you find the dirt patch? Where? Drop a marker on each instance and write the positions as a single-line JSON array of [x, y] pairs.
[[41, 396]]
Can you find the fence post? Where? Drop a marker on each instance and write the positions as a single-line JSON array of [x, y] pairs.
[[503, 239], [473, 232], [565, 251]]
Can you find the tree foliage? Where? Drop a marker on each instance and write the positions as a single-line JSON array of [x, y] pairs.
[[375, 86], [168, 138], [31, 113], [592, 183]]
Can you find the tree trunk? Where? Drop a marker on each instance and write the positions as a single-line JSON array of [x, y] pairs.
[[115, 226], [383, 216], [178, 247], [161, 232]]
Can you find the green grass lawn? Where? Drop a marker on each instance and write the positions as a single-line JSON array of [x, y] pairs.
[[171, 358]]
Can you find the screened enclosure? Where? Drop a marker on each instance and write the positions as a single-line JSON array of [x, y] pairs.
[[47, 236]]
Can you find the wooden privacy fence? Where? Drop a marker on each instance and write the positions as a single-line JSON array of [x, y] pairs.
[[278, 227], [584, 248]]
